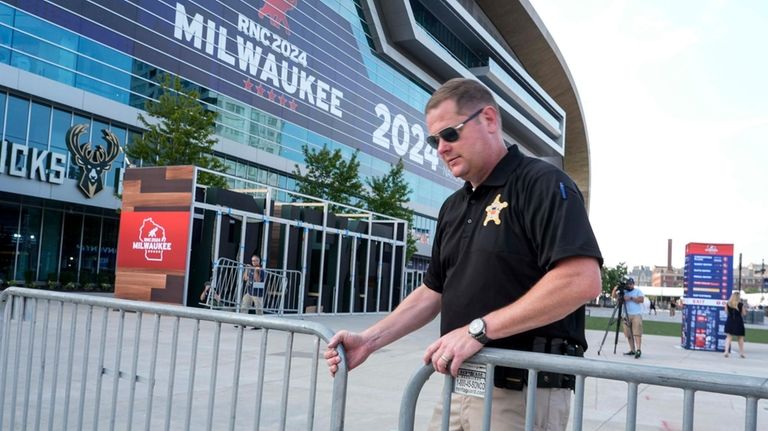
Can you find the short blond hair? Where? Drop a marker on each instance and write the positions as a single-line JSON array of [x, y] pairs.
[[468, 94]]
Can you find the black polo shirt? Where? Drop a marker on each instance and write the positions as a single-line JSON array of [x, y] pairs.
[[494, 243]]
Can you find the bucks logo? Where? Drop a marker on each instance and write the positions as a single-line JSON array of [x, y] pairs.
[[93, 161]]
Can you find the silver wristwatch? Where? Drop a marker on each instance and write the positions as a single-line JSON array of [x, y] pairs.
[[477, 330]]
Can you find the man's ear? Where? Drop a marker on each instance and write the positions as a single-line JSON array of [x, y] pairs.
[[491, 117]]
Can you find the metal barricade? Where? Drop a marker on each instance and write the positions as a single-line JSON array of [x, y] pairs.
[[752, 388], [282, 288], [413, 279], [71, 361]]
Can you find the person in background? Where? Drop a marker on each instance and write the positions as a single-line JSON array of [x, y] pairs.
[[734, 322], [253, 296], [215, 300], [633, 321], [652, 310], [514, 260], [672, 307]]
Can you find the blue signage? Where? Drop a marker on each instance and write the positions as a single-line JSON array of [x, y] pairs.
[[708, 284]]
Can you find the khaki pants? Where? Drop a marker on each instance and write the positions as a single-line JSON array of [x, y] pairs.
[[636, 320], [252, 302], [507, 411]]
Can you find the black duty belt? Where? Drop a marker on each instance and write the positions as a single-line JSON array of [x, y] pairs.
[[517, 378]]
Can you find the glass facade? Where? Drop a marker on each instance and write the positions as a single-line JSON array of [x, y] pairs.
[[41, 242], [54, 246], [44, 127], [47, 50], [50, 241], [382, 116], [445, 37], [9, 239]]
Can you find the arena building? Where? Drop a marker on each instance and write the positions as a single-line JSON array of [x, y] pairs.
[[349, 74]]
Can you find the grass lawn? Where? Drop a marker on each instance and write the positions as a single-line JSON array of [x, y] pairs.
[[671, 329]]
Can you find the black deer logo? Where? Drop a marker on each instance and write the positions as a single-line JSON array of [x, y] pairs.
[[93, 161]]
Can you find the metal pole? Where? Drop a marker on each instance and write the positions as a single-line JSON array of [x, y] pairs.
[[739, 272], [216, 237], [402, 266], [367, 264], [392, 260], [303, 292], [242, 257], [379, 270], [352, 267], [240, 268], [285, 246], [338, 269], [265, 239], [322, 257]]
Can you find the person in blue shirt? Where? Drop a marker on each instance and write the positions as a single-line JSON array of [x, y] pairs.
[[633, 321]]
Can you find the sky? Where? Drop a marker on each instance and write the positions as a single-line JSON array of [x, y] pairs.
[[675, 96]]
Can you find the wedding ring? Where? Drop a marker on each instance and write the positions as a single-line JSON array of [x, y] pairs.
[[445, 358]]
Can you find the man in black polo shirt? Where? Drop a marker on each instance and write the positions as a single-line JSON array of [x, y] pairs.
[[514, 261]]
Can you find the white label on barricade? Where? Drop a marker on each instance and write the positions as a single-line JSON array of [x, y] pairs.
[[471, 380]]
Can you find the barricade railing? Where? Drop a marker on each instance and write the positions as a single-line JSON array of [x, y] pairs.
[[413, 279], [161, 367], [282, 288], [752, 388]]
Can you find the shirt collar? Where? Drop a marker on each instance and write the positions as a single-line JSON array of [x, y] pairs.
[[501, 171]]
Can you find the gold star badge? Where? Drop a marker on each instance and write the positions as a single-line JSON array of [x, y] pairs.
[[493, 210]]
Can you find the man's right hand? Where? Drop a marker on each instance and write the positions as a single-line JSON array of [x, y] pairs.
[[355, 348]]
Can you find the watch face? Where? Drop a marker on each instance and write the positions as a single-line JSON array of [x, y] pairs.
[[476, 326]]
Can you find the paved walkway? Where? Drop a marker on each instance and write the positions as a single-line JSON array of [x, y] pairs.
[[376, 387]]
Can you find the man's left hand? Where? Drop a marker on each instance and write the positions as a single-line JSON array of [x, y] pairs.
[[451, 350]]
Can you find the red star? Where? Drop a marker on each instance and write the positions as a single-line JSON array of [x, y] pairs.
[[292, 104], [248, 84], [260, 90], [282, 100], [271, 94]]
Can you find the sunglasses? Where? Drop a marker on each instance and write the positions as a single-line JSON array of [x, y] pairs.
[[450, 134]]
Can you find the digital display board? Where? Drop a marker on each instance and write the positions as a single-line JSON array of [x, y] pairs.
[[708, 284]]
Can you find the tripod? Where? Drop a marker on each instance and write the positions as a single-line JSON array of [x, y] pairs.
[[617, 318]]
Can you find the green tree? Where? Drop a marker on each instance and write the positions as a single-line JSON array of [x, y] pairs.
[[329, 176], [389, 195], [180, 132], [612, 276]]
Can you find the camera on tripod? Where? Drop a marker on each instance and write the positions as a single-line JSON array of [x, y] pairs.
[[623, 286]]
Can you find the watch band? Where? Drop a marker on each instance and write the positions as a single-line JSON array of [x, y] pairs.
[[482, 338]]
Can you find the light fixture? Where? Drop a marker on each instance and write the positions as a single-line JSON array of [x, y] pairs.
[[353, 215], [249, 190], [299, 204]]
